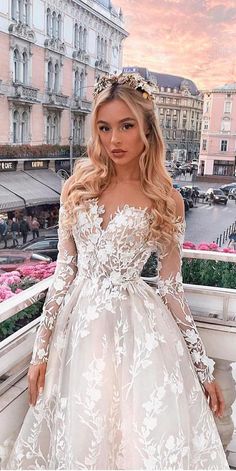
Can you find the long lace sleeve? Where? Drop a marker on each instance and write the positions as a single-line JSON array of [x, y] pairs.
[[65, 272], [170, 287]]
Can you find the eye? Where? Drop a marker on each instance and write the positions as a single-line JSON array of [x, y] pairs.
[[128, 125], [104, 128]]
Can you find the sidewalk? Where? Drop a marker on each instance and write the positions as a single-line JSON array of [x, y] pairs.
[[42, 232]]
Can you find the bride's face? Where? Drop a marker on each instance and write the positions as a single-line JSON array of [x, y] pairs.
[[119, 131]]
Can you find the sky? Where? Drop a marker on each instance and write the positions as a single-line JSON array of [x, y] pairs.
[[195, 39]]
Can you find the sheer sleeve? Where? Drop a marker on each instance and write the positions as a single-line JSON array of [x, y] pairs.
[[65, 272], [171, 290]]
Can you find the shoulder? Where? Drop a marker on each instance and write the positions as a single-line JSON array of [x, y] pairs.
[[66, 188], [179, 203]]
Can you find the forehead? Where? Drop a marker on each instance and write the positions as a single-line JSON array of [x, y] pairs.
[[114, 110]]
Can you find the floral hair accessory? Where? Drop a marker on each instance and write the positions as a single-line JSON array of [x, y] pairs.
[[135, 81]]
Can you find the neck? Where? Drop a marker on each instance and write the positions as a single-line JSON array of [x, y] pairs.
[[127, 173]]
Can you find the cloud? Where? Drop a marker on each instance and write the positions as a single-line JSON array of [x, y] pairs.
[[192, 38]]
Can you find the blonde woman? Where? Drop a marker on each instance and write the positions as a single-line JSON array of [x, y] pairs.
[[119, 377]]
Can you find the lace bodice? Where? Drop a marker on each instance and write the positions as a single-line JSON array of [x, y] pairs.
[[111, 258]]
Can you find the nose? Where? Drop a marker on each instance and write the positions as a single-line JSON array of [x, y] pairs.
[[115, 137]]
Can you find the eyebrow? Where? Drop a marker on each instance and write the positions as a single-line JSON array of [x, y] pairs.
[[121, 121]]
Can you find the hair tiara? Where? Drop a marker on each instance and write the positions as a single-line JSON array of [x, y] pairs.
[[135, 81]]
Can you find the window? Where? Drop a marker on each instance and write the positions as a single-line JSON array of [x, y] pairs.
[[174, 134], [227, 108], [84, 39], [161, 111], [224, 167], [16, 126], [53, 128], [20, 126], [206, 124], [204, 144], [24, 127], [54, 25], [82, 84], [223, 146], [59, 27], [56, 78], [225, 124], [78, 129], [16, 68], [98, 47], [25, 67], [14, 9], [76, 83], [20, 10], [80, 37], [49, 20], [76, 38], [50, 75]]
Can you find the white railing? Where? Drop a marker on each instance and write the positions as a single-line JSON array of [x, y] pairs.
[[214, 310]]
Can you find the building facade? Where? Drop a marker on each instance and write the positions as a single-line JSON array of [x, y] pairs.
[[52, 51], [218, 140], [180, 107]]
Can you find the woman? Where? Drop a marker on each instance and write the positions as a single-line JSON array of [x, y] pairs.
[[118, 372]]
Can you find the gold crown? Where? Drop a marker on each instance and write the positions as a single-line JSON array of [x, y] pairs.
[[135, 81]]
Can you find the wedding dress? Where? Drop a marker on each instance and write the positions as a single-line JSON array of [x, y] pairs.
[[125, 361]]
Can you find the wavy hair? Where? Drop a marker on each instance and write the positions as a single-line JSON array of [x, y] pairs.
[[93, 175]]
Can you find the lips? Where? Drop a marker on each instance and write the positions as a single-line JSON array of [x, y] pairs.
[[117, 151]]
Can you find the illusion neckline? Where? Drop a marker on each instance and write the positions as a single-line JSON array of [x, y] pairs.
[[101, 206]]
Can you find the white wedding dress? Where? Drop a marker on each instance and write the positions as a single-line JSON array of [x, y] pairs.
[[125, 361]]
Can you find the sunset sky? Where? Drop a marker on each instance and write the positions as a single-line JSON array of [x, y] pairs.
[[192, 38]]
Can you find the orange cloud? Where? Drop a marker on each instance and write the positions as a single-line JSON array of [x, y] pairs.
[[192, 38]]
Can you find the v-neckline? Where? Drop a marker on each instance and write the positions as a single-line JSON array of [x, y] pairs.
[[101, 209]]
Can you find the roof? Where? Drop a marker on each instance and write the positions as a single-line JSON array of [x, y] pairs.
[[226, 88], [165, 80]]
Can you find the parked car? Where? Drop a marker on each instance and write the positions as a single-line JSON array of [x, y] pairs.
[[11, 259], [232, 194], [227, 187], [45, 245], [186, 204], [215, 195]]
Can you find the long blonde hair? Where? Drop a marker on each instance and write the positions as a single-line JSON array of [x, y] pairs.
[[93, 175]]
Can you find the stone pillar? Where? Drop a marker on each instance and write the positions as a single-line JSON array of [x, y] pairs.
[[223, 375]]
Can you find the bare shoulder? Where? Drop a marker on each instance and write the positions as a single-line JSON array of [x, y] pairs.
[[179, 202], [66, 188]]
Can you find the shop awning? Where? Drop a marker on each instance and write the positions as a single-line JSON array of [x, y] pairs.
[[10, 201], [30, 190], [48, 178]]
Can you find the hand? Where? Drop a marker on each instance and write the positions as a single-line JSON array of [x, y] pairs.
[[36, 380], [214, 393]]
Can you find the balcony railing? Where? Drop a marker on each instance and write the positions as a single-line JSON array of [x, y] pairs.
[[214, 311], [56, 99], [24, 93]]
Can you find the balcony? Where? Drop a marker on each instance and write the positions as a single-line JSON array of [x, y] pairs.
[[24, 93], [214, 313], [82, 105], [56, 100], [55, 44], [81, 56], [102, 64]]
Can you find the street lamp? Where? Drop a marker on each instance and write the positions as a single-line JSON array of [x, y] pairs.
[[71, 154]]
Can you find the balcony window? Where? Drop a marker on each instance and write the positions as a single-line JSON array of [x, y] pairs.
[[225, 124], [78, 130], [204, 144], [20, 127], [76, 83], [223, 145], [84, 44], [16, 68], [59, 27], [81, 84], [80, 37], [24, 128], [20, 11]]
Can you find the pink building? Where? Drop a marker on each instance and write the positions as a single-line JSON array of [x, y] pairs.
[[51, 54], [218, 139]]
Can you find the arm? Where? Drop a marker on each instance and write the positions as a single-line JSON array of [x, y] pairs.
[[172, 293], [65, 272]]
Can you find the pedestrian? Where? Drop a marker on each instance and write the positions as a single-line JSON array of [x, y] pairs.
[[35, 227], [24, 229], [232, 240], [15, 232], [3, 232], [119, 377]]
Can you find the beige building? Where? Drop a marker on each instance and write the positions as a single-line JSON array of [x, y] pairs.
[[180, 106]]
